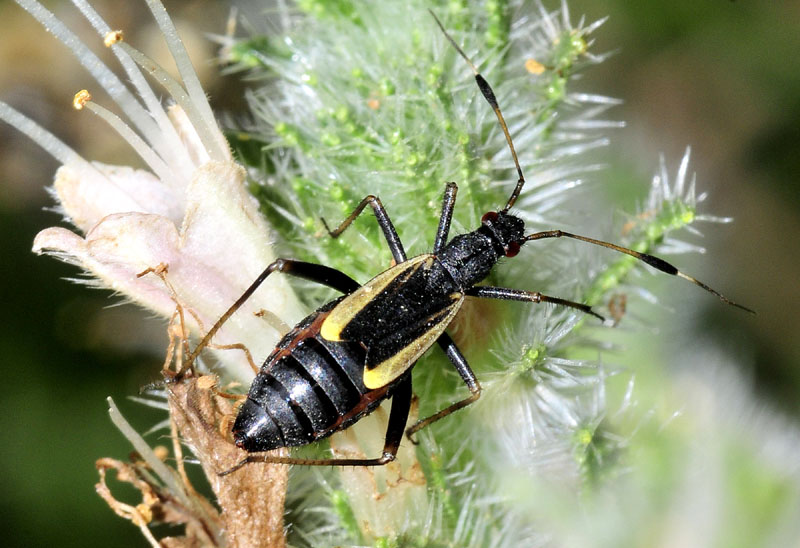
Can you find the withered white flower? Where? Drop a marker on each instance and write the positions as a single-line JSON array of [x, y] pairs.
[[190, 212]]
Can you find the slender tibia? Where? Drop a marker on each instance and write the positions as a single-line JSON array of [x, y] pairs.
[[448, 203], [270, 459], [463, 368], [395, 245], [507, 294]]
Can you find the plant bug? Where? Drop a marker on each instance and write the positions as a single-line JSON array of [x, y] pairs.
[[345, 358]]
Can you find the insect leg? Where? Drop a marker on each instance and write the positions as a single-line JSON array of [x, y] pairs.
[[448, 203], [487, 292], [398, 416], [655, 262], [461, 365], [395, 245], [321, 274]]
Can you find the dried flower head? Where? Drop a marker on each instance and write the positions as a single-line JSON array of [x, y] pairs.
[[189, 214]]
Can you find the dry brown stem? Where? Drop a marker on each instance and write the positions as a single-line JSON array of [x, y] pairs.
[[251, 499]]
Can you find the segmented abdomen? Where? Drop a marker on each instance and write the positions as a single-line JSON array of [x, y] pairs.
[[307, 389]]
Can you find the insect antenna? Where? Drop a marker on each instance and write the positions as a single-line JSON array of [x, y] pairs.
[[488, 94], [655, 262]]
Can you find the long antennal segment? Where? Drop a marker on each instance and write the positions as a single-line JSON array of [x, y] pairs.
[[655, 262], [488, 94]]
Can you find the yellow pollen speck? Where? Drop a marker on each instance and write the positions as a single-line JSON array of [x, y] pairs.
[[627, 227], [112, 37], [374, 104], [534, 67], [143, 516], [161, 452], [80, 99]]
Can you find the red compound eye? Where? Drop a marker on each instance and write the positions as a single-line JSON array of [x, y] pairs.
[[512, 249], [490, 217]]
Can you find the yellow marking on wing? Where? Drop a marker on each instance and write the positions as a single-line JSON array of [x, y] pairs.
[[351, 305], [391, 368]]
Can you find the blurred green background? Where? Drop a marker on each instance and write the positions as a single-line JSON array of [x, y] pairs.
[[723, 77]]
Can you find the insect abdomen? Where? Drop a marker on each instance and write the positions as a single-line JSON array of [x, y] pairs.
[[307, 389]]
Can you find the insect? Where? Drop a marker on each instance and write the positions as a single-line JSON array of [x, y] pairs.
[[345, 358]]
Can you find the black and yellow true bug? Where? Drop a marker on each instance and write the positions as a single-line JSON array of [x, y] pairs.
[[344, 359]]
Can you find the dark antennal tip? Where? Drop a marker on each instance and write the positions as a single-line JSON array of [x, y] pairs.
[[664, 266], [453, 42], [741, 307], [651, 260], [488, 94], [719, 295]]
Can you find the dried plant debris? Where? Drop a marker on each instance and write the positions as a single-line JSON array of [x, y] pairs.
[[251, 504]]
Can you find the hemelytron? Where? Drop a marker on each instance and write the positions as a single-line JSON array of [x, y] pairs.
[[345, 358]]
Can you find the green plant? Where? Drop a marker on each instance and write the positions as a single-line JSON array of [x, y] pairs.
[[349, 99]]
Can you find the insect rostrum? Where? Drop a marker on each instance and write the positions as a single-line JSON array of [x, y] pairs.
[[344, 359]]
